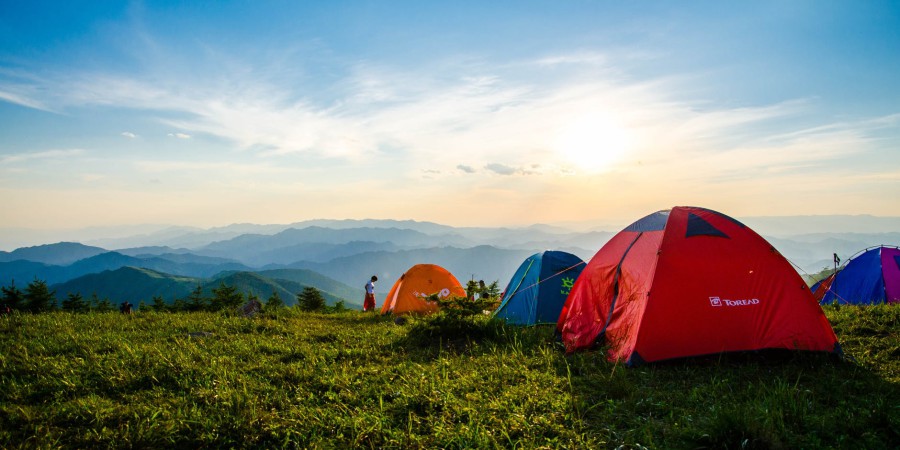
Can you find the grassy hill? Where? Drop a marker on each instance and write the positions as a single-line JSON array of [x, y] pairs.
[[355, 380], [135, 284], [128, 283], [263, 287], [321, 282]]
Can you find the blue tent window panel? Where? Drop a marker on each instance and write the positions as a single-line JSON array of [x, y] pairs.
[[653, 222], [897, 260], [725, 216], [696, 226]]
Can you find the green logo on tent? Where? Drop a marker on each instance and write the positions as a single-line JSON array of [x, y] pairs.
[[567, 284]]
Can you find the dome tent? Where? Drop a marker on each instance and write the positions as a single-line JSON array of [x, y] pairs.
[[687, 282], [869, 277], [409, 293], [537, 291]]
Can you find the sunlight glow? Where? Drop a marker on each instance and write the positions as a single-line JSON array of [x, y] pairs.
[[592, 142]]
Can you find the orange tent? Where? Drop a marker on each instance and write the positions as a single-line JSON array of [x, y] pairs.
[[408, 295]]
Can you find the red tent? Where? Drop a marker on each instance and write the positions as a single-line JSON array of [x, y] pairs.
[[686, 282]]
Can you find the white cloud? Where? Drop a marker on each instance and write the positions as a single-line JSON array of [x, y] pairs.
[[129, 134], [22, 100], [590, 58], [501, 169], [210, 167], [505, 118], [44, 155]]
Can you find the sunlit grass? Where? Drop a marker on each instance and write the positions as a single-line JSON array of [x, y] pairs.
[[300, 380]]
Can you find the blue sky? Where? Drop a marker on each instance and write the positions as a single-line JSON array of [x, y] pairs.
[[465, 113]]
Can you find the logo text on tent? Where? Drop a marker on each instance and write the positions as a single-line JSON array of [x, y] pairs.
[[716, 301], [445, 292]]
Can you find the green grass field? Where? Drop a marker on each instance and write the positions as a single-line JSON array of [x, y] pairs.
[[352, 380]]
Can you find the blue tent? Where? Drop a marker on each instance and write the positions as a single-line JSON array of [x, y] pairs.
[[537, 292], [870, 277]]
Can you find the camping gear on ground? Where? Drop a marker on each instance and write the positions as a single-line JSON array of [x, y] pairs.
[[410, 293], [687, 282], [869, 277], [538, 290]]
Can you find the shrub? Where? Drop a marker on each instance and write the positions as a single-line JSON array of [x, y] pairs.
[[459, 320]]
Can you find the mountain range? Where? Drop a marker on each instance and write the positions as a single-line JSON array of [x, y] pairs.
[[140, 284], [338, 256]]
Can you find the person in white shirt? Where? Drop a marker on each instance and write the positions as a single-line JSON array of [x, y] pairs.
[[369, 302]]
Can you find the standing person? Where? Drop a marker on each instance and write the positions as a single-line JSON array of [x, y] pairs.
[[369, 302]]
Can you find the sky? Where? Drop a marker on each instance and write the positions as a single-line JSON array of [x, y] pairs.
[[465, 113]]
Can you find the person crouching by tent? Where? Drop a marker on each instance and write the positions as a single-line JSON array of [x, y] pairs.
[[369, 302]]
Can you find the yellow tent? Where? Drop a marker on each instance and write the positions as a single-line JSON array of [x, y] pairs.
[[409, 293]]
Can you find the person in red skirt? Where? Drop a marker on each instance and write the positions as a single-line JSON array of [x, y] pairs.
[[369, 302]]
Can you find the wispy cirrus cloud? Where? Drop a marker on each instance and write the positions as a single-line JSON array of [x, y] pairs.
[[169, 166], [22, 100], [490, 111], [43, 155]]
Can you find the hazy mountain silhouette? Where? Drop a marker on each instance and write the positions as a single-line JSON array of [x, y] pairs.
[[183, 265], [319, 244], [353, 250], [135, 284], [481, 263], [59, 254]]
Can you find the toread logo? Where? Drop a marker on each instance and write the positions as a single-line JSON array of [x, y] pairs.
[[444, 293], [716, 301]]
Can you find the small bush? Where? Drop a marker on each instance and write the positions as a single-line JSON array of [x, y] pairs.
[[459, 321]]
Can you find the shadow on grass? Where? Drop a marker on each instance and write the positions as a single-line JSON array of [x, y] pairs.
[[769, 399]]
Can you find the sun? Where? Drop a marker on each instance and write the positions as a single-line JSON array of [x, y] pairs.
[[592, 142]]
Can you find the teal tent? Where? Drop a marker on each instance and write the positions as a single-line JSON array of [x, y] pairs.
[[538, 290]]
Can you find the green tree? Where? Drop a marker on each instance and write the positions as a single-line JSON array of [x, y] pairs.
[[196, 301], [472, 288], [101, 305], [339, 306], [274, 302], [226, 297], [13, 296], [75, 303], [38, 297], [158, 305], [492, 291], [179, 304], [310, 299], [142, 305]]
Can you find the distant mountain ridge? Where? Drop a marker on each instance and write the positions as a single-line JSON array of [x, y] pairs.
[[479, 263], [136, 284], [296, 244], [176, 264], [350, 251], [61, 254]]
